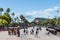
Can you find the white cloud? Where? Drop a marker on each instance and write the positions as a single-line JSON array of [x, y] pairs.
[[51, 9], [30, 15], [43, 13]]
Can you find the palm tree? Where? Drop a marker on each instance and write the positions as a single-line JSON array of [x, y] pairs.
[[1, 9], [8, 10], [13, 16], [15, 19], [22, 18], [18, 19]]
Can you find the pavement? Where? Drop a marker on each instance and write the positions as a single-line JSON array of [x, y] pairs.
[[41, 36]]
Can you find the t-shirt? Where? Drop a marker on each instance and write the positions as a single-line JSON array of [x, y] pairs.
[[26, 30]]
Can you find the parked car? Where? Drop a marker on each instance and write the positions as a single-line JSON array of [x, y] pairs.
[[52, 30], [57, 29]]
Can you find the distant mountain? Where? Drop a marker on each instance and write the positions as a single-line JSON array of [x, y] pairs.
[[40, 19]]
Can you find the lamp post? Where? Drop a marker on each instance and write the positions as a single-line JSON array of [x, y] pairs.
[[49, 20], [57, 16]]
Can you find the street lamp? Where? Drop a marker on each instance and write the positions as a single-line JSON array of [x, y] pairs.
[[49, 20], [57, 17]]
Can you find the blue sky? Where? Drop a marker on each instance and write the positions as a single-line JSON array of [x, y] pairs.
[[32, 8]]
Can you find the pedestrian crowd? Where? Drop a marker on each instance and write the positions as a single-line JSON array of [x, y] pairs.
[[14, 31], [33, 31]]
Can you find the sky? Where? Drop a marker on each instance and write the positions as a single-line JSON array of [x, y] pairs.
[[32, 9]]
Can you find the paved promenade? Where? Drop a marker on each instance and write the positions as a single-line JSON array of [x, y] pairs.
[[41, 36]]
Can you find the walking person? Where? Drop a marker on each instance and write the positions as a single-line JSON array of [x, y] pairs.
[[40, 28], [14, 31], [18, 31], [9, 31], [33, 27], [32, 31], [24, 31], [37, 31], [48, 32]]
